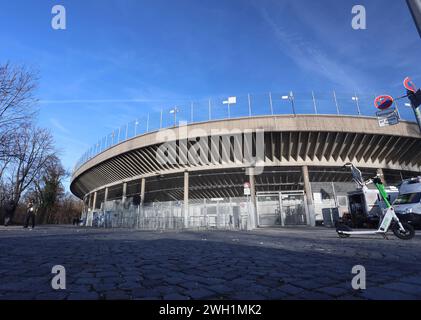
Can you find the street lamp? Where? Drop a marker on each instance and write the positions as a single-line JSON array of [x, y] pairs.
[[356, 99], [136, 123], [229, 102], [174, 111], [290, 97]]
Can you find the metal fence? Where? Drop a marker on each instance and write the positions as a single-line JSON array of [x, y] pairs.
[[230, 214], [288, 103]]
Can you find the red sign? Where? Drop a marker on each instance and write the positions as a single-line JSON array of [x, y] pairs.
[[409, 84], [383, 102]]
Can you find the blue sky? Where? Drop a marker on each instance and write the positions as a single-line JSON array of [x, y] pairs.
[[119, 60]]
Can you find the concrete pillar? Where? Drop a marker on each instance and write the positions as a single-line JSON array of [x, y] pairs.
[[381, 174], [124, 196], [90, 201], [253, 215], [105, 198], [94, 202], [309, 196], [106, 195], [186, 199], [142, 191]]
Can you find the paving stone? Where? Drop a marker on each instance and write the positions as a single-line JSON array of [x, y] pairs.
[[58, 295], [412, 280], [404, 287], [221, 289], [335, 291], [299, 263], [116, 295], [247, 295], [378, 293], [175, 296], [290, 289], [83, 296], [201, 293]]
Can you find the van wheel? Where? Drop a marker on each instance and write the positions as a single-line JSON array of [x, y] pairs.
[[408, 234]]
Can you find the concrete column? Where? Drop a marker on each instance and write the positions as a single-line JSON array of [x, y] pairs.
[[124, 196], [90, 201], [94, 202], [186, 199], [381, 174], [105, 198], [253, 214], [142, 191], [309, 196]]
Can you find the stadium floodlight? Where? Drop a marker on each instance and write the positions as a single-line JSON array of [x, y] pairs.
[[357, 99], [136, 123], [229, 102], [174, 111], [290, 97]]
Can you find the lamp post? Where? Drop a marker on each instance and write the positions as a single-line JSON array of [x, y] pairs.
[[314, 102], [229, 102], [290, 97], [174, 111], [356, 99], [336, 102], [136, 123]]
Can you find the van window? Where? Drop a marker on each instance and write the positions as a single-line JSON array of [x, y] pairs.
[[408, 198]]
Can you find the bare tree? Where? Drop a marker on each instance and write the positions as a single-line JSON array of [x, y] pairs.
[[34, 151], [49, 189], [17, 88], [29, 166]]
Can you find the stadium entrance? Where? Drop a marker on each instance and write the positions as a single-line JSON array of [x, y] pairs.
[[286, 208]]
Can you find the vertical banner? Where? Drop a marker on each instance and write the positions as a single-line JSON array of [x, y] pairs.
[[415, 7]]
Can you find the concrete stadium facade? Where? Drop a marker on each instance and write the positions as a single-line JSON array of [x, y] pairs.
[[293, 168]]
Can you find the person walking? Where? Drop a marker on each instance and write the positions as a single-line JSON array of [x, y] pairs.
[[8, 210], [31, 211]]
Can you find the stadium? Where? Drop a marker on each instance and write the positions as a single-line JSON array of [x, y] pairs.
[[240, 172]]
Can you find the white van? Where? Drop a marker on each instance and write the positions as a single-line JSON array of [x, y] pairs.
[[408, 204]]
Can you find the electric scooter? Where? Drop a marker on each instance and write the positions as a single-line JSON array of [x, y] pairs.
[[390, 220]]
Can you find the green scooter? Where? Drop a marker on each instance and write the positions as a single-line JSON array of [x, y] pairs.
[[390, 220]]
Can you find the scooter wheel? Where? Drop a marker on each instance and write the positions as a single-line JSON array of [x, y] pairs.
[[342, 227], [343, 236], [407, 235]]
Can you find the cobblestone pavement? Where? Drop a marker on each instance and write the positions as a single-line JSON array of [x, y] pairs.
[[264, 264]]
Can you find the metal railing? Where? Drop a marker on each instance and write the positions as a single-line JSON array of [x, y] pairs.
[[288, 103]]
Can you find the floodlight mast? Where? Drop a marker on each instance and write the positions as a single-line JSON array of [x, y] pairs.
[[290, 98], [229, 102], [174, 111]]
